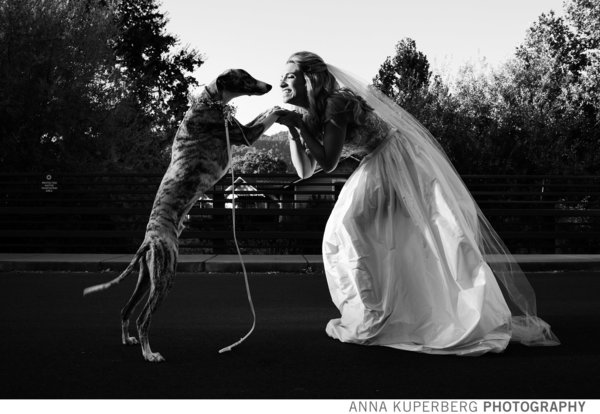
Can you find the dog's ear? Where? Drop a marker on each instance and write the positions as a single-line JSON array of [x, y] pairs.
[[223, 80], [220, 83]]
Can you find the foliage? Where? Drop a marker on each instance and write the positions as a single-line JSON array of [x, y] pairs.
[[88, 85], [555, 98], [278, 145], [404, 76], [98, 85], [537, 114], [51, 54], [254, 161], [158, 79]]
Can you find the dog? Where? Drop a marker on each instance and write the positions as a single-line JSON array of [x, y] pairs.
[[199, 159]]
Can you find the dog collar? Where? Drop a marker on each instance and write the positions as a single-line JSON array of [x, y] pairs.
[[228, 111], [210, 95], [211, 102]]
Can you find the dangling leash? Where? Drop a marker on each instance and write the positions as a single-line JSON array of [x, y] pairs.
[[230, 347]]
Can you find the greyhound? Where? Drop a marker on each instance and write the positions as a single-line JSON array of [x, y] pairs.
[[199, 159]]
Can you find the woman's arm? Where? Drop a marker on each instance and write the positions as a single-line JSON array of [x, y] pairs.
[[326, 154], [303, 162]]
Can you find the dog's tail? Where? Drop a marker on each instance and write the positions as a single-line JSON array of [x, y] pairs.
[[139, 254]]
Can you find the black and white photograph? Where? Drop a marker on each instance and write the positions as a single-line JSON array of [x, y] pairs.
[[382, 206]]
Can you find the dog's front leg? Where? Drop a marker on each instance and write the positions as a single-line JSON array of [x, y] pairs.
[[248, 134]]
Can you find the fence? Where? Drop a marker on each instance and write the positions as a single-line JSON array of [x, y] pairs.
[[275, 214]]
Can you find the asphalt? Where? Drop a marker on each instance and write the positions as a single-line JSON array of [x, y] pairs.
[[58, 344]]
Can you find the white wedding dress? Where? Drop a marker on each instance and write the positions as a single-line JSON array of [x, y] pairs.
[[411, 263]]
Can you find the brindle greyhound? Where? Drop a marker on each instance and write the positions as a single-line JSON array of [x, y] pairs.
[[199, 159]]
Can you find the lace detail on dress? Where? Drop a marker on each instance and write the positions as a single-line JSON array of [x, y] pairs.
[[363, 139], [362, 135]]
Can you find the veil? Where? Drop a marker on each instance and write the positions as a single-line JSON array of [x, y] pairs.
[[526, 326]]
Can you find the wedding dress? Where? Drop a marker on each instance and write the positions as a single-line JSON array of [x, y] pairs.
[[410, 260]]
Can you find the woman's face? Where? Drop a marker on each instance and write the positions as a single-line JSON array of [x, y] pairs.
[[293, 86]]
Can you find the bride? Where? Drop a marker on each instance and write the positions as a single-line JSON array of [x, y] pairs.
[[410, 260]]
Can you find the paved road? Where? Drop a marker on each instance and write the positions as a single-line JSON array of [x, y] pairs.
[[57, 344]]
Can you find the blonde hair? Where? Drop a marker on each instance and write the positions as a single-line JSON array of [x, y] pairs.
[[320, 86]]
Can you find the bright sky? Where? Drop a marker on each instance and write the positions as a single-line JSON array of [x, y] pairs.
[[259, 35]]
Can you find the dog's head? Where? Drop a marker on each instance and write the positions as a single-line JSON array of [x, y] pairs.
[[237, 82]]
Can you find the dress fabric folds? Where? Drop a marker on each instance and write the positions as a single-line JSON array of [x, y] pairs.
[[403, 263]]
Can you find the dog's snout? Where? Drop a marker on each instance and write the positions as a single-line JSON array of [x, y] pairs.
[[261, 88]]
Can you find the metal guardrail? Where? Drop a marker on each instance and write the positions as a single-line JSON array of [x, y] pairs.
[[276, 214]]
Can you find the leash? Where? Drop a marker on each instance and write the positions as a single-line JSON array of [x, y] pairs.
[[237, 247]]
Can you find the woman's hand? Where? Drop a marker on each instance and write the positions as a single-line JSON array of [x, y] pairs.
[[288, 118], [303, 162]]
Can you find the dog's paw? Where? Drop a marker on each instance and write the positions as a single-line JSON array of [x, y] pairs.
[[130, 340], [154, 357]]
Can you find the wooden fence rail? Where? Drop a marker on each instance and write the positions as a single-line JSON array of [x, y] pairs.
[[107, 213]]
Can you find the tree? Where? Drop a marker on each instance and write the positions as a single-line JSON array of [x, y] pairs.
[[254, 161], [154, 79], [554, 88], [407, 80], [279, 147], [158, 78], [584, 15], [89, 85], [51, 55], [404, 76], [537, 114]]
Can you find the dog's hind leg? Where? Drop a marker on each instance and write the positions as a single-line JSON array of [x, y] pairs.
[[161, 266], [140, 290]]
